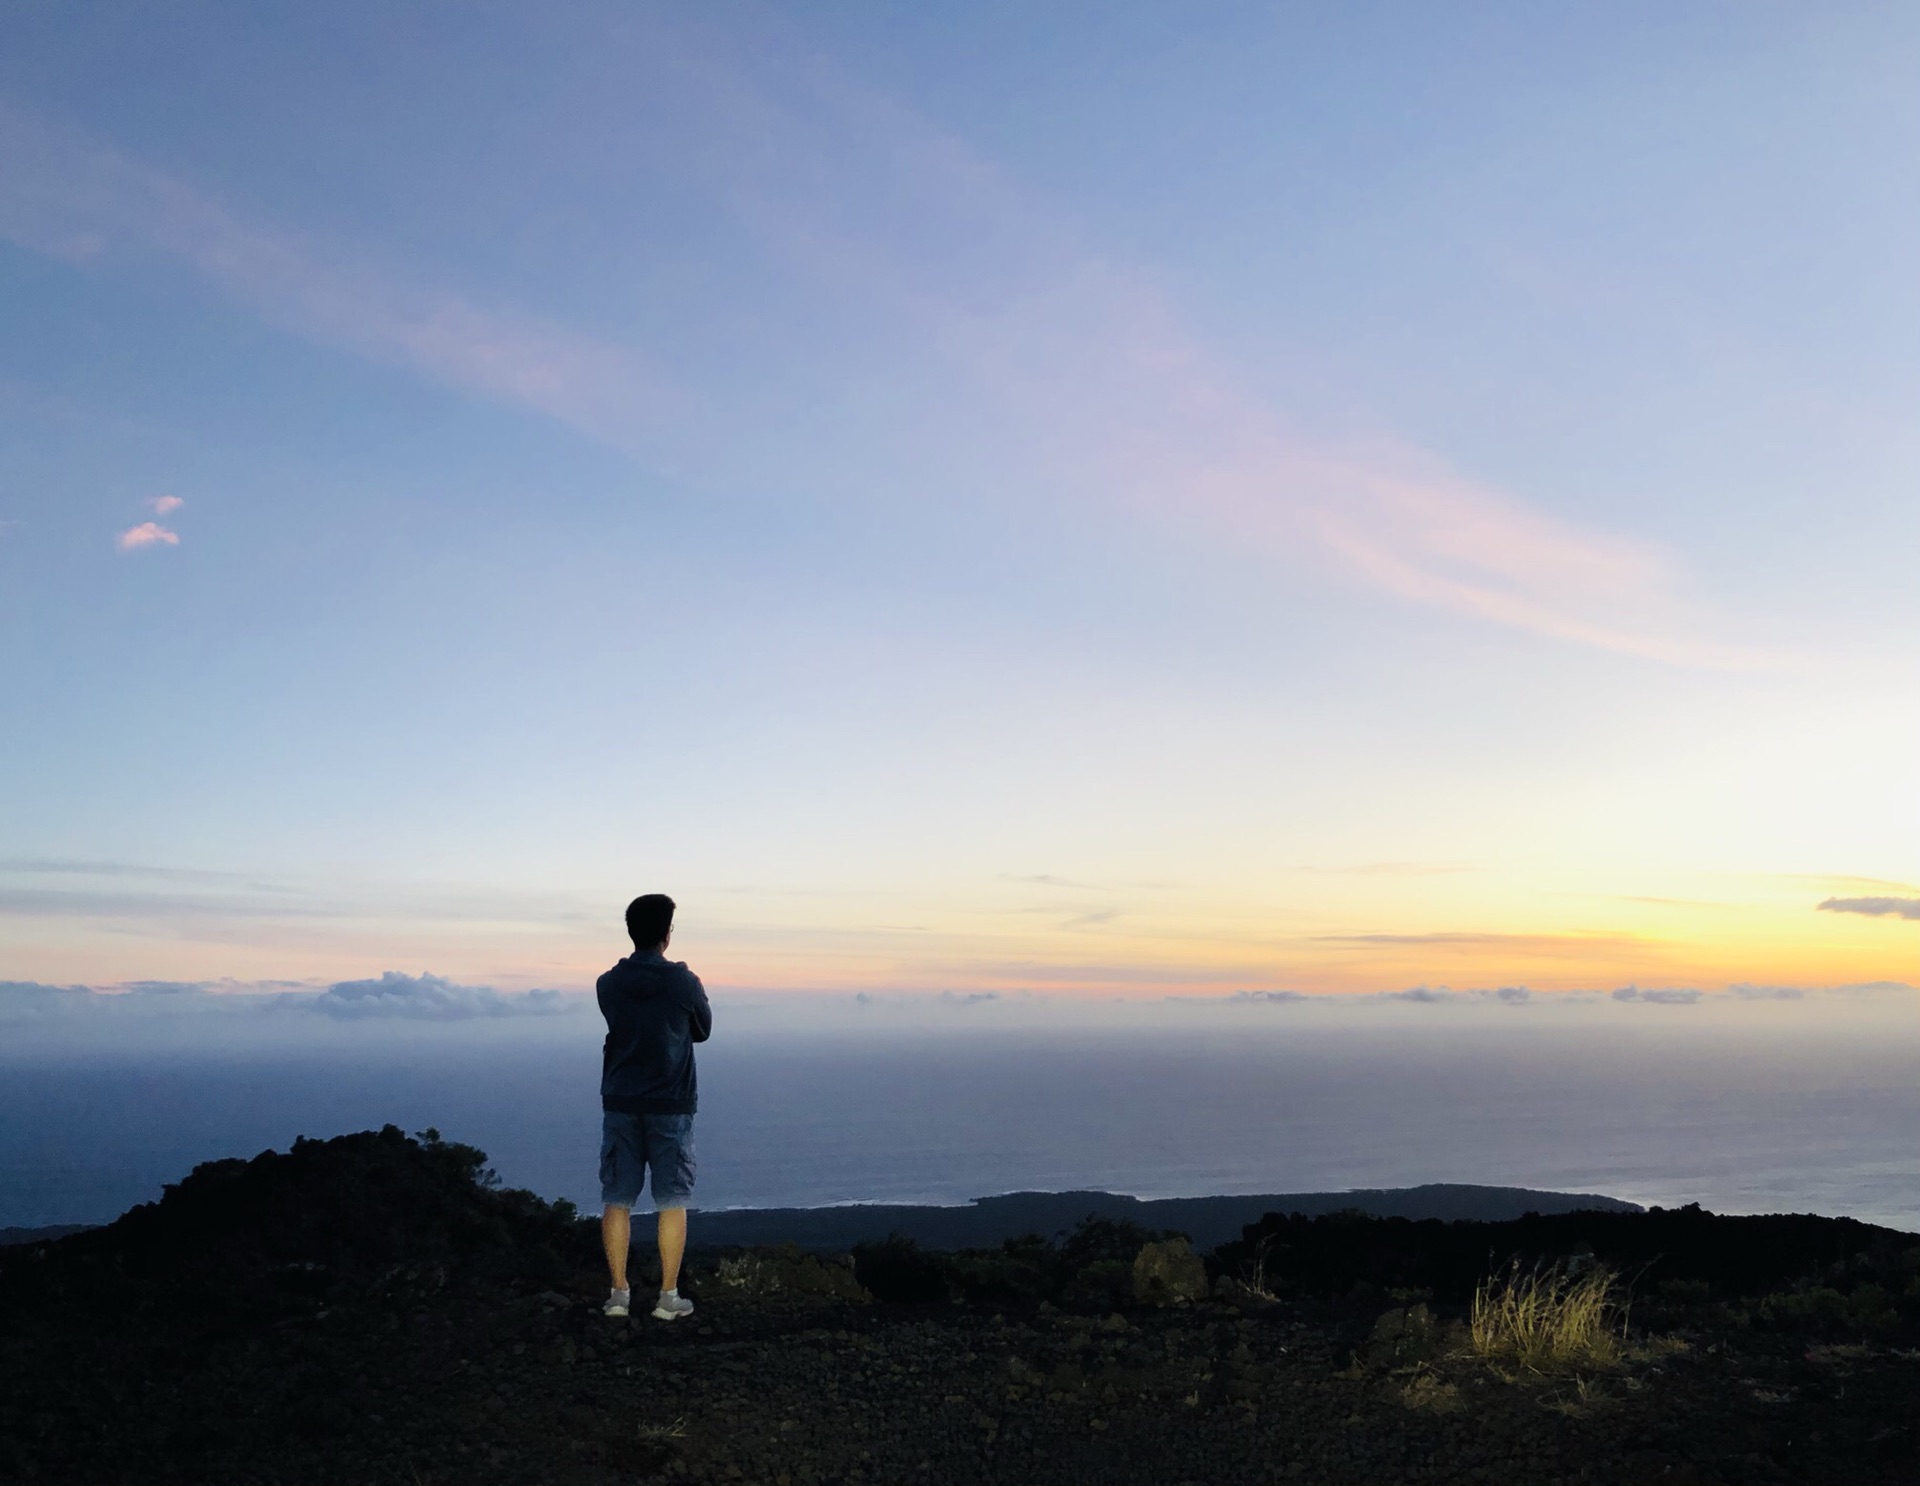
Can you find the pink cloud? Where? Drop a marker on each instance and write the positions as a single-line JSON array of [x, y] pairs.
[[145, 535], [165, 504], [1123, 401]]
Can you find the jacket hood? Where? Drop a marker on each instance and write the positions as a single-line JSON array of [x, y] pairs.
[[648, 974]]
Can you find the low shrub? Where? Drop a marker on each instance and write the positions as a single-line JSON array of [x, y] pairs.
[[1867, 1310]]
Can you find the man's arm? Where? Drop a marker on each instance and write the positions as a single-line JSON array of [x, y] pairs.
[[699, 1011]]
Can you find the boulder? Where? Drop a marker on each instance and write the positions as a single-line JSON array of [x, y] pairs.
[[785, 1270], [1402, 1337], [1168, 1273]]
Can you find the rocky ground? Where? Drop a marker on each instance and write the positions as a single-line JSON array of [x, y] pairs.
[[265, 1327]]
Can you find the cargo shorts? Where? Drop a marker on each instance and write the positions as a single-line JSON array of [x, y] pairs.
[[631, 1145]]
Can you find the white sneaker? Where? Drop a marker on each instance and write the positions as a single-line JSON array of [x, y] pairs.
[[672, 1307], [617, 1303]]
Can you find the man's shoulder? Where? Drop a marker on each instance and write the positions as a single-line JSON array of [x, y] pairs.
[[614, 972]]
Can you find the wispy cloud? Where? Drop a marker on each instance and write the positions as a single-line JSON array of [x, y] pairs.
[[165, 505], [1396, 869], [1097, 360], [147, 534], [73, 198], [1874, 907]]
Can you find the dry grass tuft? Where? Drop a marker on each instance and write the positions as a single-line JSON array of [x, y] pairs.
[[1547, 1317], [1256, 1283]]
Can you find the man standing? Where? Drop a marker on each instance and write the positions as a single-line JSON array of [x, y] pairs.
[[656, 1009]]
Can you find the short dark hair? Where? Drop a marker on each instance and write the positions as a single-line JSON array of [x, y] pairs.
[[649, 919]]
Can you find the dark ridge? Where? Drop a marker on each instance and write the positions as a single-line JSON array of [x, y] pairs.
[[11, 1236], [1208, 1221]]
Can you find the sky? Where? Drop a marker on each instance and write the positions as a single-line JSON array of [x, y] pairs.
[[1080, 501]]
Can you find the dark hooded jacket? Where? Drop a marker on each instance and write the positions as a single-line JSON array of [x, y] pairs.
[[656, 1009]]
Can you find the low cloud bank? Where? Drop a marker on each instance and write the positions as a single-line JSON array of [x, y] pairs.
[[29, 998], [1424, 995], [144, 1009], [423, 997]]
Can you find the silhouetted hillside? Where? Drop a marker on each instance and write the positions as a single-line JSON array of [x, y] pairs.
[[325, 1220], [11, 1236]]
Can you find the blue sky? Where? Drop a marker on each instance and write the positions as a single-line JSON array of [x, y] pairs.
[[1079, 498]]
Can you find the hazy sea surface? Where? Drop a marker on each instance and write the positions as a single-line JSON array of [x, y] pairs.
[[1740, 1120]]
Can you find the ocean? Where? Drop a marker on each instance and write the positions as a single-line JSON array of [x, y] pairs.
[[1792, 1114]]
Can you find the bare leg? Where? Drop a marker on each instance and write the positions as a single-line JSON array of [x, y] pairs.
[[673, 1243], [615, 1225]]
